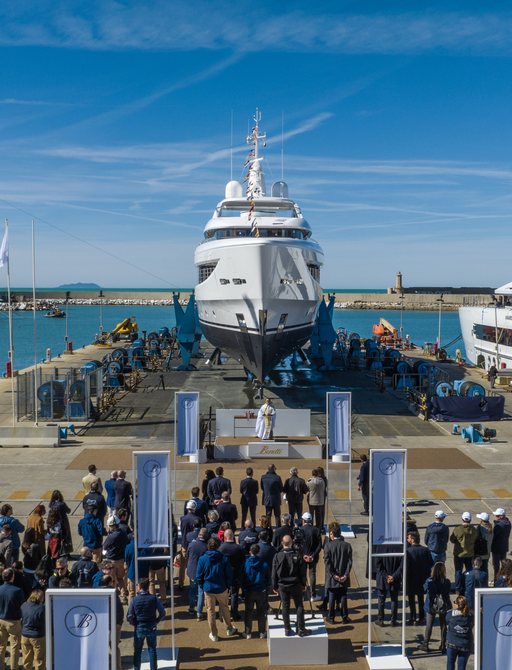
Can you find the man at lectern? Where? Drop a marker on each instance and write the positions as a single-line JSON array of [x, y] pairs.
[[266, 420]]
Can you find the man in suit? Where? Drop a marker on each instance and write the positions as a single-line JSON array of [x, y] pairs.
[[389, 570], [227, 511], [338, 563], [363, 479], [249, 490], [218, 485], [295, 489], [272, 487]]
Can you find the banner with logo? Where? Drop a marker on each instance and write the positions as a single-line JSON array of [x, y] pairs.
[[152, 498], [387, 469], [79, 629], [339, 423], [493, 646], [187, 417]]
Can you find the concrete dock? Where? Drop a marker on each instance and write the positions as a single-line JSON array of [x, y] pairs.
[[444, 472]]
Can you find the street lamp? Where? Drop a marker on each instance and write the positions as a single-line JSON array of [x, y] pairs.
[[440, 301], [101, 312], [67, 305], [402, 297]]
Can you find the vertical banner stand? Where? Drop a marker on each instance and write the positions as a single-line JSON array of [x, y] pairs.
[[493, 628], [81, 629], [343, 456], [187, 422], [387, 656], [168, 659]]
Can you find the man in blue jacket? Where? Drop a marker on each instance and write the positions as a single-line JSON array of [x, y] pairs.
[[436, 537], [145, 613], [11, 600], [255, 579], [90, 528], [500, 539], [214, 574]]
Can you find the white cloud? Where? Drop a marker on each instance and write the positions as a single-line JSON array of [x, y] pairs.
[[179, 25]]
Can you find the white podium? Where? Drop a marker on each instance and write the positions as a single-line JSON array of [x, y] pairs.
[[386, 657], [295, 650], [164, 656]]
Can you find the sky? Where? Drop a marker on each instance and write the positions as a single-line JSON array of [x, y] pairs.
[[120, 119]]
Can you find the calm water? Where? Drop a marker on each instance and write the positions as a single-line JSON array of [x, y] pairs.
[[83, 324]]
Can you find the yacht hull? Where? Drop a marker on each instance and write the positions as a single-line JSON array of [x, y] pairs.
[[479, 328], [272, 312]]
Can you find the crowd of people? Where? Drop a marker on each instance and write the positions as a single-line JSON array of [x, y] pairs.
[[224, 555]]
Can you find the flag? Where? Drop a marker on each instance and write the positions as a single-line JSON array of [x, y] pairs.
[[4, 249]]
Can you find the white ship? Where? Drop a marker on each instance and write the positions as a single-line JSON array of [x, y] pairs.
[[487, 331], [259, 271]]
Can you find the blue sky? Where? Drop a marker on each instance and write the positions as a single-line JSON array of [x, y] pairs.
[[115, 123]]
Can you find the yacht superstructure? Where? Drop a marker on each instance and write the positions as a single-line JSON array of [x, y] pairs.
[[258, 287], [487, 331]]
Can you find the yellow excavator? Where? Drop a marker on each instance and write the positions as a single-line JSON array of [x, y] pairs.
[[127, 329]]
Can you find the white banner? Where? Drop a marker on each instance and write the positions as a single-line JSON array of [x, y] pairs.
[[496, 631], [152, 498], [187, 417], [387, 469], [80, 625], [339, 423]]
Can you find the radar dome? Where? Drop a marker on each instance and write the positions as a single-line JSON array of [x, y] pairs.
[[233, 189], [280, 189]]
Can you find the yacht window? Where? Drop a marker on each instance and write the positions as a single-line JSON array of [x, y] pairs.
[[488, 334], [224, 281], [205, 271], [237, 281], [257, 231], [314, 271]]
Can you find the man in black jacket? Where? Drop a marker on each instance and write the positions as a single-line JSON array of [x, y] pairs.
[[388, 579], [419, 566], [95, 498], [289, 582], [124, 493], [338, 563], [364, 483], [218, 485], [310, 538], [227, 511], [295, 489], [249, 496], [113, 549], [281, 531], [272, 487], [236, 556]]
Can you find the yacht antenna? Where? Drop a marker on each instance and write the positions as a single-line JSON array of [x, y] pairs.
[[282, 146], [231, 155]]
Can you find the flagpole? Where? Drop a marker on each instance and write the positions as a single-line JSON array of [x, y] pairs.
[[35, 317], [11, 348]]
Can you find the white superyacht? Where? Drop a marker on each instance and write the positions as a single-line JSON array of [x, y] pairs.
[[259, 271], [487, 331]]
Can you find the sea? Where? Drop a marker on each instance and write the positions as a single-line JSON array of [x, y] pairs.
[[83, 324]]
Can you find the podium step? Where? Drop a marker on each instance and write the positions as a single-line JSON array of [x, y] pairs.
[[295, 650]]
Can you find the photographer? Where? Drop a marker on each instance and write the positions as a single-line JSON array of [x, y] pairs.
[[289, 581]]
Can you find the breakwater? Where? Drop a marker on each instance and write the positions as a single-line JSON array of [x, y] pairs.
[[364, 301]]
